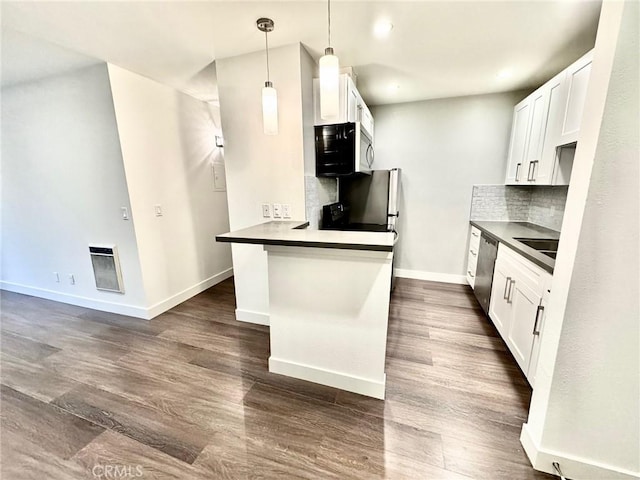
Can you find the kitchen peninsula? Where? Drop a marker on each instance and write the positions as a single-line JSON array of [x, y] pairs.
[[329, 302]]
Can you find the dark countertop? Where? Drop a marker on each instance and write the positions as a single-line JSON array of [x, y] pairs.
[[506, 232], [294, 234]]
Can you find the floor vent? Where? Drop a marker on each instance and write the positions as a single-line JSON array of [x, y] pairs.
[[106, 268]]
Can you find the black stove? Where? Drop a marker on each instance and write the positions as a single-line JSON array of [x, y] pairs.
[[335, 216]]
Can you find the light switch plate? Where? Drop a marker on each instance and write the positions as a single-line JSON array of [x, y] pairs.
[[158, 210], [286, 210], [277, 210]]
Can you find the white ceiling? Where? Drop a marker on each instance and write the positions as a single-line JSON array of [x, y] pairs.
[[436, 48]]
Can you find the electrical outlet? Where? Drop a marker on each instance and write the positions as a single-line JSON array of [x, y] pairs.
[[286, 210], [56, 277], [72, 279], [266, 210], [277, 210], [125, 213], [158, 210]]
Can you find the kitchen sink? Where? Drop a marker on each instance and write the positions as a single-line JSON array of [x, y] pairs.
[[547, 246]]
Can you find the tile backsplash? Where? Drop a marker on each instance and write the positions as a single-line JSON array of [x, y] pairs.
[[540, 205], [547, 206], [318, 192]]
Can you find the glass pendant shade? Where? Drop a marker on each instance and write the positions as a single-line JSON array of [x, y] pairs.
[[329, 80], [269, 109]]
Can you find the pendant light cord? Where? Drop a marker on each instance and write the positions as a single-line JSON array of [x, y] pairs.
[[329, 21], [266, 44]]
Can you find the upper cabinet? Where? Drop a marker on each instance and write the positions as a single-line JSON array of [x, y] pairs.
[[577, 80], [543, 123], [519, 138], [352, 108]]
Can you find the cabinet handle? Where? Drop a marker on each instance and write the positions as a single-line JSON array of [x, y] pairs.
[[533, 174], [529, 177], [471, 274], [518, 172], [475, 235], [535, 325], [509, 296], [506, 284], [473, 253]]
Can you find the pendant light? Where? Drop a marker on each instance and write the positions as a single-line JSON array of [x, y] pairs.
[[269, 94], [329, 77]]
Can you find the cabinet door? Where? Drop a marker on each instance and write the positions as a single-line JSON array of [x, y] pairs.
[[352, 105], [577, 80], [538, 330], [537, 128], [499, 305], [518, 144], [525, 302], [556, 98]]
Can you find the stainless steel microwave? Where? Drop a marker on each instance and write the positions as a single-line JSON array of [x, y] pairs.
[[343, 149]]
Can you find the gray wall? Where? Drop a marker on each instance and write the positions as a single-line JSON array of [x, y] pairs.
[[63, 184], [444, 147], [593, 405]]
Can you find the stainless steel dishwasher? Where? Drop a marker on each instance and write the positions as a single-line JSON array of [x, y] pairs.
[[487, 253]]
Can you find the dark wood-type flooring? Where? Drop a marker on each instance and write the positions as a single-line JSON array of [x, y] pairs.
[[87, 394]]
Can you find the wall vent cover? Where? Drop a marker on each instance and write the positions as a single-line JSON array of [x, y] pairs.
[[106, 267]]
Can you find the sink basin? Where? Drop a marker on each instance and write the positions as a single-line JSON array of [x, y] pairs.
[[547, 246]]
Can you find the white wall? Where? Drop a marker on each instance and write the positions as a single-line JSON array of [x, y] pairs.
[[585, 410], [444, 147], [63, 184], [260, 168], [168, 147]]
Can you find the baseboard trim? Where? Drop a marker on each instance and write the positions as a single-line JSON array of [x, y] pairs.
[[431, 276], [102, 305], [248, 316], [327, 377], [186, 294], [119, 308], [572, 467]]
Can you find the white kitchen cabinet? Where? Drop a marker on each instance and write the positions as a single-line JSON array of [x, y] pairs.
[[537, 128], [472, 259], [519, 139], [547, 119], [499, 306], [515, 307], [577, 80], [544, 166], [538, 328], [351, 109], [365, 118]]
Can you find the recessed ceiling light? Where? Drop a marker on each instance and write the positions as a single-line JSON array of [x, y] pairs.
[[382, 28], [504, 74]]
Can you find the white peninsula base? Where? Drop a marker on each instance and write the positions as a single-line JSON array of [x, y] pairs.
[[329, 310], [328, 302]]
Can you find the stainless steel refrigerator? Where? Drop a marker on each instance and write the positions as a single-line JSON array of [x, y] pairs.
[[372, 203], [372, 200]]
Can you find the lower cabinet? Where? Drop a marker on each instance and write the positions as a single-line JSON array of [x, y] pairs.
[[516, 306], [472, 258]]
